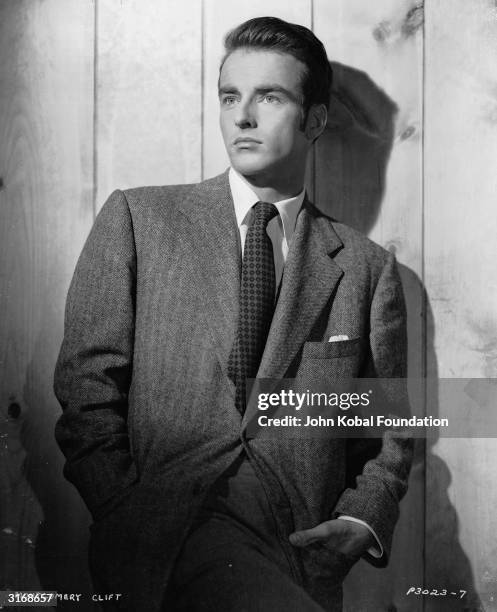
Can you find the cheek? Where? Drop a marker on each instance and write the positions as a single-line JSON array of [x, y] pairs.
[[226, 124], [222, 124], [284, 139], [286, 131]]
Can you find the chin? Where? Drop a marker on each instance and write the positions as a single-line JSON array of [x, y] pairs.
[[249, 167]]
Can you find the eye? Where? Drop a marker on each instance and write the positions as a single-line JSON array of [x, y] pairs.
[[270, 99], [228, 100]]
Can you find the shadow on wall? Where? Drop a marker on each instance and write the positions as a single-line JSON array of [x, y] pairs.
[[352, 154], [446, 562], [62, 542], [43, 540], [350, 167], [446, 565]]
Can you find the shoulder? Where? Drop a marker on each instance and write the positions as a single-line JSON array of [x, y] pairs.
[[348, 245], [359, 257], [359, 247], [171, 197], [143, 208], [369, 265], [158, 195]]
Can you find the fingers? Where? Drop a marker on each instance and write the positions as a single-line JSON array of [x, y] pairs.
[[316, 534]]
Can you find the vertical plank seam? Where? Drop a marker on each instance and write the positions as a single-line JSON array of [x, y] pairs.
[[314, 151], [95, 109], [202, 88], [424, 304]]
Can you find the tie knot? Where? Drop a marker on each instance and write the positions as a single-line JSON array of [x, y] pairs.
[[264, 212]]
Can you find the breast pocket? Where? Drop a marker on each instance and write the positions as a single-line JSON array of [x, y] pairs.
[[329, 350], [325, 361]]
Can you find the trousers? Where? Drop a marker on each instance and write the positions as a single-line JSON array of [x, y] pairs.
[[232, 560]]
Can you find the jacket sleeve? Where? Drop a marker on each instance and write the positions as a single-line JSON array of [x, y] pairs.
[[374, 497], [93, 370]]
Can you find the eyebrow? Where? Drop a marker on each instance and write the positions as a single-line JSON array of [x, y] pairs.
[[227, 89]]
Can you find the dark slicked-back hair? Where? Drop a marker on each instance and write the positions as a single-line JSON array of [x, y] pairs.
[[273, 34]]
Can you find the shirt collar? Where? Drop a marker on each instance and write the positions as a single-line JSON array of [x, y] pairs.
[[244, 198]]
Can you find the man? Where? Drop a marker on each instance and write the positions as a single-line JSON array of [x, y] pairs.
[[180, 295]]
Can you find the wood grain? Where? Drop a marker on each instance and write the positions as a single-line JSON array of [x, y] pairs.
[[154, 115], [369, 175], [460, 230], [46, 78], [148, 99], [369, 170]]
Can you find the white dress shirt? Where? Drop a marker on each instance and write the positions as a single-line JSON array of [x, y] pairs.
[[280, 229]]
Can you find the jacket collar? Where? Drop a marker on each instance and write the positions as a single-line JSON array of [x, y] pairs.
[[309, 279]]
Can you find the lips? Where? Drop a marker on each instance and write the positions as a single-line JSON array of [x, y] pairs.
[[246, 140]]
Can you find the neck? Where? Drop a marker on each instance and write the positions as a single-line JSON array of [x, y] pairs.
[[271, 189]]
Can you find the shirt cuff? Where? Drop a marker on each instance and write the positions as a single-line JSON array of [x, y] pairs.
[[374, 551]]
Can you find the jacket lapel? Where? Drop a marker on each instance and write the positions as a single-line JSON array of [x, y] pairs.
[[309, 279], [218, 259]]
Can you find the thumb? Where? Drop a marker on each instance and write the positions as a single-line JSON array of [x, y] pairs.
[[308, 536]]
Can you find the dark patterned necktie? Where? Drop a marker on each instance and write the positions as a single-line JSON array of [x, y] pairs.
[[256, 301]]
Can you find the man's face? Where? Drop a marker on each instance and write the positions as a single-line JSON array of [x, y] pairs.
[[260, 97]]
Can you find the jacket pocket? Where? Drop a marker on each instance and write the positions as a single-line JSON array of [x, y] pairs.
[[323, 562], [113, 505], [328, 350]]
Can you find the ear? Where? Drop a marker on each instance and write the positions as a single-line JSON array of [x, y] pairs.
[[316, 121]]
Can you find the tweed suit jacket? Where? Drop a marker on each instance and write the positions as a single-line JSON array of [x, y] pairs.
[[149, 418]]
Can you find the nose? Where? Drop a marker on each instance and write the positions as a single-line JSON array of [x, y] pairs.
[[245, 115]]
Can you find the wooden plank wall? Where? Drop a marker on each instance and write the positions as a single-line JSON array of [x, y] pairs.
[[148, 103], [46, 80], [100, 94], [460, 252], [368, 173]]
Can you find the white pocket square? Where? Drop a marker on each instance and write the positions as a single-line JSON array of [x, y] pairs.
[[339, 338]]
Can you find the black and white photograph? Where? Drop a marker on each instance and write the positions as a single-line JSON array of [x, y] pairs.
[[248, 331]]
